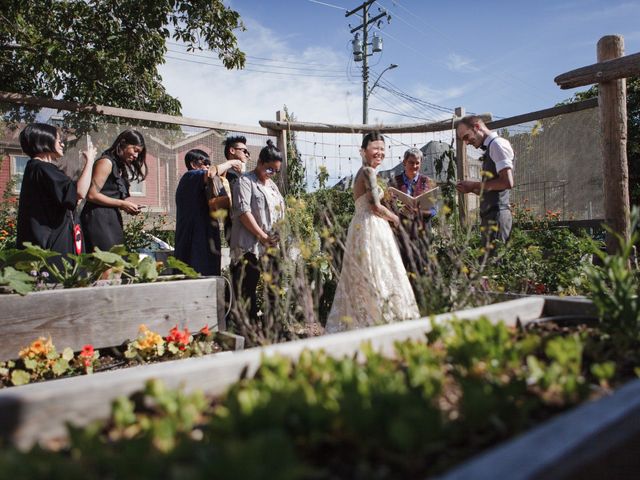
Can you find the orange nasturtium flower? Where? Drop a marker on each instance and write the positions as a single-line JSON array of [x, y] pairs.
[[148, 339], [40, 347], [205, 330]]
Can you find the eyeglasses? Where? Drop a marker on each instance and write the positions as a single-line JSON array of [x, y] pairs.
[[206, 163], [244, 150], [270, 171]]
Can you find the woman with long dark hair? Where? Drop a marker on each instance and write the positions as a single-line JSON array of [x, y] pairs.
[[48, 196], [123, 162]]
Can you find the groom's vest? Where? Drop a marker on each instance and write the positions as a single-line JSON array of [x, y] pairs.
[[495, 200]]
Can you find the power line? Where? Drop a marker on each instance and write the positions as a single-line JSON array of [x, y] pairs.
[[328, 5], [267, 59], [255, 71], [444, 35], [255, 63]]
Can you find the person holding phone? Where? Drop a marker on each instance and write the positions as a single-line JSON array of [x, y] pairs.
[[48, 196], [123, 162]]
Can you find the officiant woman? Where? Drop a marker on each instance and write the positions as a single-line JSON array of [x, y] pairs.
[[415, 225]]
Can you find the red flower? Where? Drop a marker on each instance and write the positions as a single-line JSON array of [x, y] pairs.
[[87, 351], [205, 330], [181, 339]]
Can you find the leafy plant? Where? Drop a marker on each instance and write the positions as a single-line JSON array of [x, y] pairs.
[[614, 288], [48, 269]]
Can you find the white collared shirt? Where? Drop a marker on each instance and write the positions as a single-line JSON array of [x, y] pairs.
[[500, 151]]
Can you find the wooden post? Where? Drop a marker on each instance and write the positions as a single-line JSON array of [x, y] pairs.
[[462, 169], [282, 145], [612, 100]]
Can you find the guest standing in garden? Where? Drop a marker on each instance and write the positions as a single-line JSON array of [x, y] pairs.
[[415, 224], [373, 287], [199, 195], [497, 167], [48, 197], [120, 164], [235, 148], [257, 206]]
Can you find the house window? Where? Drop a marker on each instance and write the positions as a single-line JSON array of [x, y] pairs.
[[18, 164], [137, 189]]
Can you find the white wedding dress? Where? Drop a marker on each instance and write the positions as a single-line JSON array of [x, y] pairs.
[[373, 287]]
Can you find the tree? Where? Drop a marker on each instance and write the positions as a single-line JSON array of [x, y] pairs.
[[295, 169], [633, 132], [107, 51]]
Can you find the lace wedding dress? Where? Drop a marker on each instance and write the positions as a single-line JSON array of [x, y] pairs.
[[373, 288]]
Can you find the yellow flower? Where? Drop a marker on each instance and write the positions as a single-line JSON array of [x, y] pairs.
[[267, 277], [446, 210]]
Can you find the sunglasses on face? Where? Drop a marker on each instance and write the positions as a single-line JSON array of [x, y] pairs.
[[271, 171], [244, 150]]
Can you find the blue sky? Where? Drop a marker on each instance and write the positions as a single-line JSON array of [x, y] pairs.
[[499, 57]]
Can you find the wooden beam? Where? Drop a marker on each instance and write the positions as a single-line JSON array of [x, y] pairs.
[[283, 182], [126, 113], [622, 67], [461, 170], [612, 97], [546, 113], [441, 126]]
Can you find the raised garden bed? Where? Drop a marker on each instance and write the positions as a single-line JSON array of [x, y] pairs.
[[108, 315], [38, 412]]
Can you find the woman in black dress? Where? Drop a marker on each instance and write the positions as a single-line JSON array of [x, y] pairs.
[[123, 162], [48, 197]]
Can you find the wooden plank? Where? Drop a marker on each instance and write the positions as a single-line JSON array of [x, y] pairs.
[[30, 100], [462, 171], [39, 411], [603, 71], [612, 98], [592, 434], [545, 113], [282, 145], [106, 316], [342, 128]]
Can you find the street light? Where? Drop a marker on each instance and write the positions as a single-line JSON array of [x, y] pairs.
[[365, 110], [390, 67]]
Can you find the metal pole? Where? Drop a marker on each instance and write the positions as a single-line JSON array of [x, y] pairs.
[[365, 65]]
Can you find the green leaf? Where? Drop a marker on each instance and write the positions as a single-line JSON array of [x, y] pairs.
[[60, 367], [20, 377], [147, 270], [18, 282], [179, 265], [67, 354]]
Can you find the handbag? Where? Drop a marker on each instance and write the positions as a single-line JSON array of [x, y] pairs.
[[76, 230]]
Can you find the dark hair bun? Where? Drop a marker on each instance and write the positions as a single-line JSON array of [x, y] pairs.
[[270, 143]]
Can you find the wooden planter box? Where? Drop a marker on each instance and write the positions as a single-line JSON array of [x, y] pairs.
[[107, 316], [38, 412]]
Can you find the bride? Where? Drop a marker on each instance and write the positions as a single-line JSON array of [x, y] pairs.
[[373, 288]]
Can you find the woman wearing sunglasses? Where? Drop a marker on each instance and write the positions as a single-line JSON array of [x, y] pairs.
[[257, 206]]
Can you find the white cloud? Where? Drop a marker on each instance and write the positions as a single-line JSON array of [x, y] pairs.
[[312, 82], [458, 63]]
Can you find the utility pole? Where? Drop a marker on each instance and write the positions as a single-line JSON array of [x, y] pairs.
[[360, 50]]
